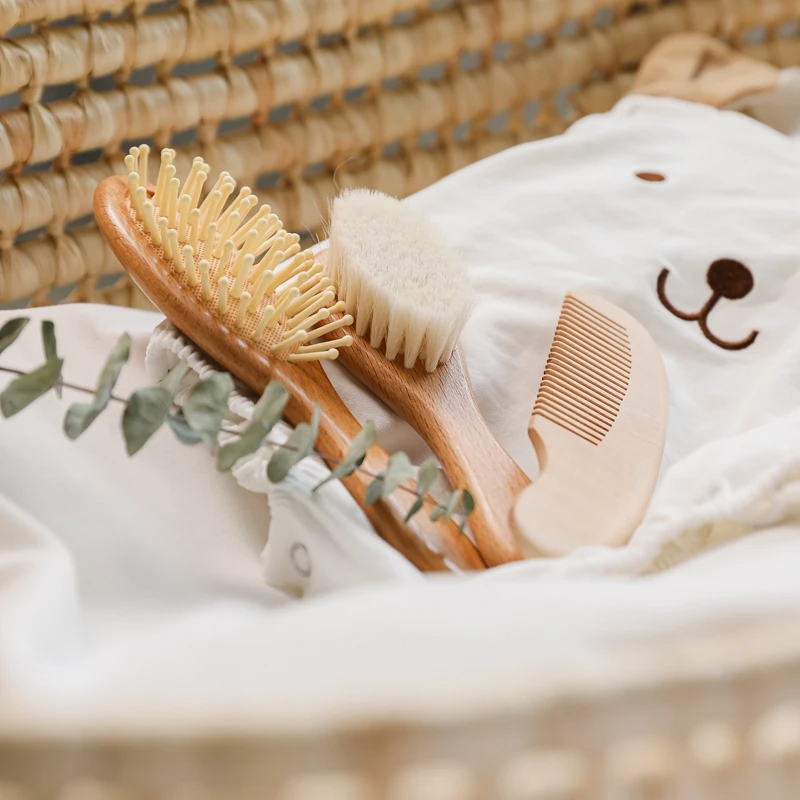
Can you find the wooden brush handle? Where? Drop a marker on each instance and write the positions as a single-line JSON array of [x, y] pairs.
[[440, 406]]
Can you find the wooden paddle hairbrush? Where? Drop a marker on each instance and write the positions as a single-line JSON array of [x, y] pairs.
[[598, 427], [259, 319]]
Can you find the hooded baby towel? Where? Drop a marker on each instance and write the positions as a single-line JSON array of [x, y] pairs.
[[686, 217]]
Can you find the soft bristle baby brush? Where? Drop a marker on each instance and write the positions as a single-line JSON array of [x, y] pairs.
[[409, 292], [239, 286], [598, 428]]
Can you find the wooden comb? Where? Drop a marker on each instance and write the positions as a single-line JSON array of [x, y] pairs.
[[598, 427]]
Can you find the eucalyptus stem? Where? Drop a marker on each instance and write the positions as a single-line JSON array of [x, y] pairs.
[[327, 459]]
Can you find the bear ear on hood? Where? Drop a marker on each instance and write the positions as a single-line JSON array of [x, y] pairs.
[[698, 68]]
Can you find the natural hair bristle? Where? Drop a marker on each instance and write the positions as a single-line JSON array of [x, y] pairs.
[[245, 268], [406, 289]]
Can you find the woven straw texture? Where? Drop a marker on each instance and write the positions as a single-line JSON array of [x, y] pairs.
[[297, 97]]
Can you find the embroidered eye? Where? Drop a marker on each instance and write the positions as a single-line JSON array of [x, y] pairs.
[[651, 177]]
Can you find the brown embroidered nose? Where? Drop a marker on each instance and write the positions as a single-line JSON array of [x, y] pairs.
[[730, 279], [727, 278]]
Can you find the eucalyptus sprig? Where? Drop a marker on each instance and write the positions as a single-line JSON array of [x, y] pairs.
[[201, 419]]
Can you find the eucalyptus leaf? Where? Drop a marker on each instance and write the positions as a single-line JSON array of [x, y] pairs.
[[172, 383], [50, 346], [418, 503], [398, 471], [252, 438], [22, 391], [356, 454], [374, 491], [270, 405], [145, 412], [11, 331], [81, 415], [299, 445], [180, 427], [447, 506], [427, 474], [206, 406], [468, 506]]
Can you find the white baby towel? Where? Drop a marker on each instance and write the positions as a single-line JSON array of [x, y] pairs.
[[575, 212]]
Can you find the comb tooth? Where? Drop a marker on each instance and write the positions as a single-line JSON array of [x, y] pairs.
[[188, 184], [615, 348], [250, 224], [211, 235], [583, 360], [584, 340], [280, 306], [569, 383], [208, 211], [587, 320], [570, 405], [134, 155], [225, 255], [587, 373]]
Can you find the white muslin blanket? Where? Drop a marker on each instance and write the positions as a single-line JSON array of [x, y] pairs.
[[132, 590], [570, 213]]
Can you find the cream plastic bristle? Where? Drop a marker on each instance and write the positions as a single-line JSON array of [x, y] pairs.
[[295, 338], [163, 229], [242, 276], [183, 213], [172, 240], [235, 205], [199, 182], [225, 254], [139, 197], [161, 181], [143, 166], [172, 201], [286, 291], [222, 302], [327, 355], [261, 215], [398, 278], [205, 279], [342, 322], [194, 226], [320, 347], [150, 224], [188, 262], [225, 230], [241, 314]]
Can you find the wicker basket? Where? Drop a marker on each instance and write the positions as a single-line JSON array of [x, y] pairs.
[[297, 97]]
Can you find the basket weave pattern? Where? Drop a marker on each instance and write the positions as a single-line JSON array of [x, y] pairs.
[[299, 97]]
